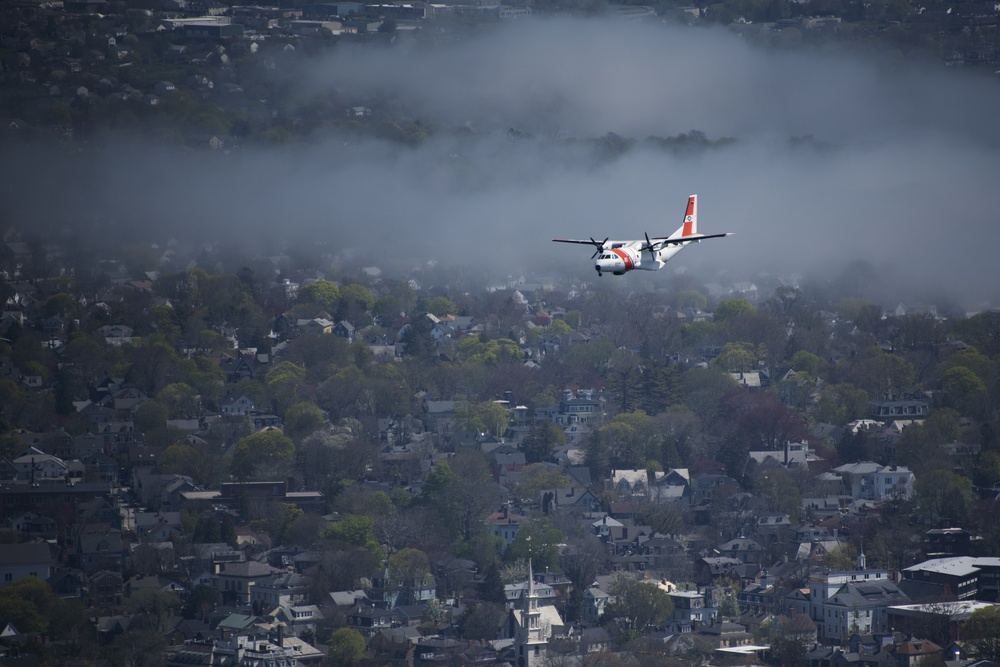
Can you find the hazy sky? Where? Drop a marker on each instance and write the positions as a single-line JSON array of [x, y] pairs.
[[903, 165]]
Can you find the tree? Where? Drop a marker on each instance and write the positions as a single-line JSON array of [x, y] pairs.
[[730, 309], [180, 399], [559, 328], [691, 299], [486, 417], [841, 403], [542, 439], [966, 388], [843, 557], [346, 648], [639, 604], [624, 374], [150, 417], [982, 632], [944, 495], [538, 541], [627, 441], [437, 305], [407, 570], [321, 292], [583, 559], [736, 358], [536, 478], [434, 615], [262, 452], [663, 518], [200, 601], [357, 530], [480, 621], [301, 419], [355, 302]]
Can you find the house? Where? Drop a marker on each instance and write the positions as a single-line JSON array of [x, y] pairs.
[[514, 593], [282, 590], [103, 550], [317, 325], [947, 542], [504, 524], [368, 620], [36, 466], [608, 528], [157, 526], [907, 407], [27, 559], [390, 593], [105, 589], [631, 482], [595, 601], [68, 583], [710, 568], [99, 467], [726, 635], [18, 497], [690, 609], [792, 456], [574, 497], [866, 480], [344, 329], [240, 405], [581, 407], [235, 581], [153, 557], [743, 549], [33, 526], [346, 599], [299, 619], [824, 583], [235, 370], [859, 607], [439, 414], [238, 648]]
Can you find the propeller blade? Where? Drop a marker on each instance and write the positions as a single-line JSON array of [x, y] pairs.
[[599, 246], [649, 244]]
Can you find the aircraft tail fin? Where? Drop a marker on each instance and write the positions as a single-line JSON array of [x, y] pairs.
[[690, 225]]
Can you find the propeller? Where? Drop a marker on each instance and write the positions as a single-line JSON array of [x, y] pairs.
[[650, 246], [599, 246]]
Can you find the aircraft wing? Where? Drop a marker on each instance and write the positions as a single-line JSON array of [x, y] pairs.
[[665, 240], [580, 241]]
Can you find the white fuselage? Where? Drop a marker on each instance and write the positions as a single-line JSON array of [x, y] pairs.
[[622, 256]]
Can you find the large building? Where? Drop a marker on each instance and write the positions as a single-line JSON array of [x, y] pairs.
[[959, 577]]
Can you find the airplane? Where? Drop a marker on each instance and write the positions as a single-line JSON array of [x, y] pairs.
[[620, 257]]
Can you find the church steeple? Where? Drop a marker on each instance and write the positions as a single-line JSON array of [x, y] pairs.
[[530, 639], [862, 564]]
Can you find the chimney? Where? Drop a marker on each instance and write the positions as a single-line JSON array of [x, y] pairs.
[[281, 635]]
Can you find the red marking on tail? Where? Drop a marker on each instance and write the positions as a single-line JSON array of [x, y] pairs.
[[689, 218]]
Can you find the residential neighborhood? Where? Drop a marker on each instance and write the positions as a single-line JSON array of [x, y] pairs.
[[500, 475]]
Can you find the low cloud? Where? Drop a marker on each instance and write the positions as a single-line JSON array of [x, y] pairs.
[[836, 157]]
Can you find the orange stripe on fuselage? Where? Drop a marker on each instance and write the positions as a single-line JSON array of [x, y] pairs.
[[624, 257]]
